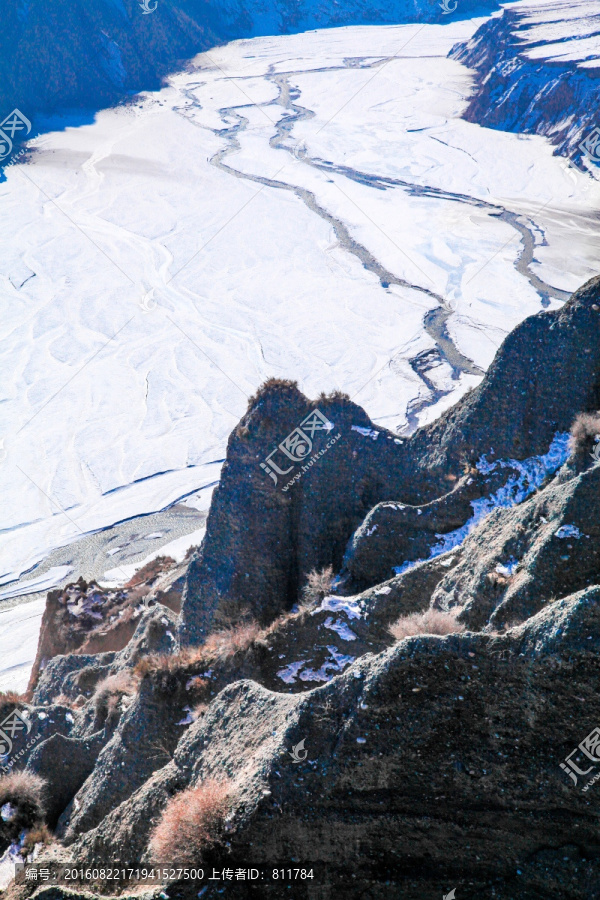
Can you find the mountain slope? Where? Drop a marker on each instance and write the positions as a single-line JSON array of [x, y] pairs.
[[508, 433], [431, 760], [81, 55], [538, 70], [77, 54]]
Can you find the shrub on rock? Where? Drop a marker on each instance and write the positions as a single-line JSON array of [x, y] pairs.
[[191, 823], [584, 430], [318, 585], [111, 690], [22, 805], [432, 621]]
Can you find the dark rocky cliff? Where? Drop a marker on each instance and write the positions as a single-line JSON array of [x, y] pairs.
[[538, 72], [456, 748]]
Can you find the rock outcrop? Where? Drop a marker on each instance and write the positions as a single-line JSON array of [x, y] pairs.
[[85, 619], [266, 531], [538, 72], [438, 757], [394, 761]]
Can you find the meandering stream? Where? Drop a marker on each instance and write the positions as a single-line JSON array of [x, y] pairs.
[[435, 321]]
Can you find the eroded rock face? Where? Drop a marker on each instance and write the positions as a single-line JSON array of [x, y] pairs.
[[263, 540], [549, 91], [431, 763], [86, 619], [74, 675], [521, 559], [436, 758], [525, 399], [395, 534]]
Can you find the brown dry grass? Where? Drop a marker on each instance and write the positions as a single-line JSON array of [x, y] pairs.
[[237, 639], [7, 697], [222, 647], [271, 386], [219, 647], [25, 792], [584, 429], [318, 585], [151, 571], [432, 621], [191, 823], [333, 396], [110, 690], [40, 834], [198, 685]]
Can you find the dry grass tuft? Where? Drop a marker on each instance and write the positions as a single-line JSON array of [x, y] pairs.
[[224, 644], [333, 397], [584, 429], [318, 585], [22, 800], [39, 834], [191, 823], [198, 685], [110, 690], [432, 621], [272, 386], [7, 697], [150, 572], [221, 646]]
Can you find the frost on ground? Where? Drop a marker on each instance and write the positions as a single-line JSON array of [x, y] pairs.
[[532, 474], [290, 206]]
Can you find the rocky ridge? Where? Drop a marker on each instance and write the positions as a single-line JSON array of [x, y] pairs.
[[432, 760], [538, 72]]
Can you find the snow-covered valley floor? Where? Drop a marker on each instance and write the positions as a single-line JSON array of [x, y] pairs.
[[310, 207]]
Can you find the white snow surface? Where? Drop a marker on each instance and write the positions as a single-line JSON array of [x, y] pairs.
[[37, 585], [347, 605], [146, 291], [568, 531], [561, 31], [19, 630], [8, 860], [340, 628], [175, 549]]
